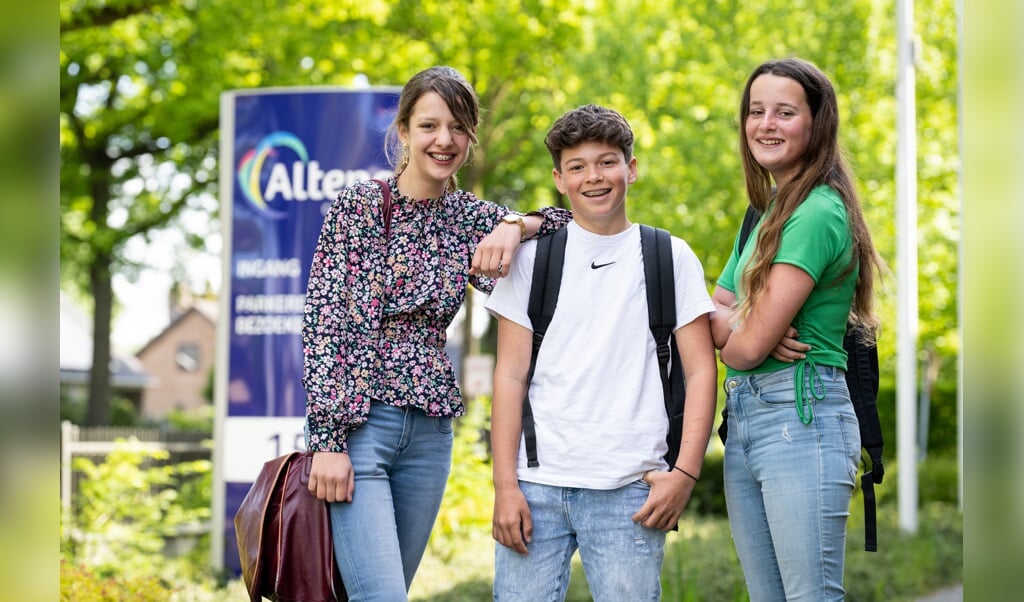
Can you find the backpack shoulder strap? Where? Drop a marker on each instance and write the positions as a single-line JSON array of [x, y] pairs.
[[656, 245], [544, 287], [660, 282], [547, 280], [749, 221], [862, 381]]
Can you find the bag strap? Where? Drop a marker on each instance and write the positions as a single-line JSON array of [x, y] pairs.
[[544, 287], [862, 381], [385, 191], [659, 275], [749, 221]]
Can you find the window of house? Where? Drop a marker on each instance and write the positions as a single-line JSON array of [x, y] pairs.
[[187, 357]]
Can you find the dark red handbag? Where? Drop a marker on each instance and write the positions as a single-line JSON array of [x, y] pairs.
[[284, 536]]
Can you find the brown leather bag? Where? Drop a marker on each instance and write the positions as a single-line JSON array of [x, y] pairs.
[[284, 536]]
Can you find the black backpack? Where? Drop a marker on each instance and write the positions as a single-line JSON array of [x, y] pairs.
[[656, 245], [862, 380]]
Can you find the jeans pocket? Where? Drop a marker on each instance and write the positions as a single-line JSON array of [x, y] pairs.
[[850, 428], [443, 424], [776, 393]]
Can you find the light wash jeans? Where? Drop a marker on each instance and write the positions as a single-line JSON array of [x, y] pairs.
[[621, 559], [788, 485], [401, 458]]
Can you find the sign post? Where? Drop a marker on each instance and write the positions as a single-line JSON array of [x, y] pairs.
[[285, 154]]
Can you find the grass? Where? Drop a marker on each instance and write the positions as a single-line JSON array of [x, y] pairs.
[[700, 562]]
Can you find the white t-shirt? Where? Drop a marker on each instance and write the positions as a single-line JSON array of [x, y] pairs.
[[596, 394]]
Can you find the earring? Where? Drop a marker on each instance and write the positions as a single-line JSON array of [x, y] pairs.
[[403, 162]]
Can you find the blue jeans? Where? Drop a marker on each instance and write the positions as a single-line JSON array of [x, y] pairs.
[[621, 559], [401, 458], [788, 485]]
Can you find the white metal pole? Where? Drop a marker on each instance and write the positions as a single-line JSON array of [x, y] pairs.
[[220, 392], [960, 264], [906, 270], [67, 434]]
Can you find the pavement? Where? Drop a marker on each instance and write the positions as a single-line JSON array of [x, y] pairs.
[[949, 594]]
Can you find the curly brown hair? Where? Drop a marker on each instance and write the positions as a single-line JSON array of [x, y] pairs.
[[589, 123]]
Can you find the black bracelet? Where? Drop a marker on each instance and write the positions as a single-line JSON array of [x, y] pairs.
[[695, 479]]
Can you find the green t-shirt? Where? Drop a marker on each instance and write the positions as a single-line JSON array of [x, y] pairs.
[[816, 239]]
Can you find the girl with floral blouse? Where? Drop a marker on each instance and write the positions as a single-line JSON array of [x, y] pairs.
[[381, 391]]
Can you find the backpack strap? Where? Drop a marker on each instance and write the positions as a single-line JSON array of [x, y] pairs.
[[659, 277], [544, 287], [862, 381], [749, 221], [656, 245]]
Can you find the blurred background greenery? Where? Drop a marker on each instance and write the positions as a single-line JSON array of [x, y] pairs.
[[140, 83]]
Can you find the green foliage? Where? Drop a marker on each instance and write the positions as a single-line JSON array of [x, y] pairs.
[[196, 420], [79, 583], [942, 423], [469, 496], [701, 563], [708, 497], [938, 480], [906, 566], [122, 411], [129, 506]]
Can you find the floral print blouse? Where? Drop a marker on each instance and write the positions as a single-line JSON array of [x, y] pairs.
[[377, 307]]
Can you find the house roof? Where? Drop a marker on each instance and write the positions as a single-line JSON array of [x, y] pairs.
[[205, 308], [126, 372]]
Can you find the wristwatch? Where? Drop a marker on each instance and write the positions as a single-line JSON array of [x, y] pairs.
[[515, 218]]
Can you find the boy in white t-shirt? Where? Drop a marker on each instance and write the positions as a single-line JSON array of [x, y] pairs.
[[602, 485]]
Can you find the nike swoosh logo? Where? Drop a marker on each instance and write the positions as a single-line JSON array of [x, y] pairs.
[[596, 266]]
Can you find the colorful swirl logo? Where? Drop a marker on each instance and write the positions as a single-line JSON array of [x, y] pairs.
[[250, 169]]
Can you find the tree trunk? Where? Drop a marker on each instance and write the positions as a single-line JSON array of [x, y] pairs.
[[99, 376], [98, 411]]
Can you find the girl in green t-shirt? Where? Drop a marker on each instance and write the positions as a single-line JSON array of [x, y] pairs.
[[782, 306]]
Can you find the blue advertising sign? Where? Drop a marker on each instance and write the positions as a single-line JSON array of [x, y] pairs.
[[285, 155]]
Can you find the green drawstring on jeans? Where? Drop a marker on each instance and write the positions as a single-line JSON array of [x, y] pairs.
[[804, 409]]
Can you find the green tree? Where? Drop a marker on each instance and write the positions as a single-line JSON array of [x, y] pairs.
[[129, 505], [136, 146]]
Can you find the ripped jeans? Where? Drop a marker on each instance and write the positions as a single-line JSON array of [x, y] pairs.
[[621, 559], [788, 484]]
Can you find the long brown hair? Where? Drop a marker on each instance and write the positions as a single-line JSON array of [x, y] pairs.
[[823, 163], [457, 93]]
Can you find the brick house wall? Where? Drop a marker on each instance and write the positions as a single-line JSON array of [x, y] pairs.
[[179, 360]]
